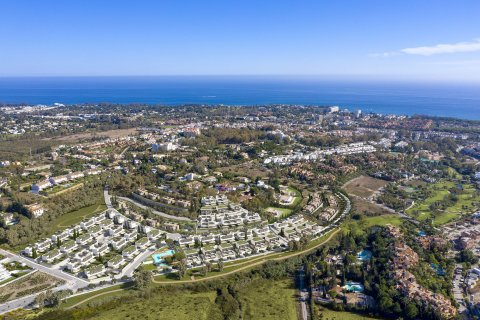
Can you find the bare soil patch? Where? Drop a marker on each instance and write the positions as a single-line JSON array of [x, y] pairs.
[[364, 186], [33, 283]]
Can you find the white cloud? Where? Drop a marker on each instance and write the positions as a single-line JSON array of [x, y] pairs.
[[426, 51], [444, 48]]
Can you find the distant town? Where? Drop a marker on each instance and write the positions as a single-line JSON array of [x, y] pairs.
[[365, 214]]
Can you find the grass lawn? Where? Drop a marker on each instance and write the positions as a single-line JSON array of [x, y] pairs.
[[298, 197], [359, 226], [74, 300], [283, 211], [466, 204], [342, 315], [76, 216], [176, 304], [383, 220], [265, 299]]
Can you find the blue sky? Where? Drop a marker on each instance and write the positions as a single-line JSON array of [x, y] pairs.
[[404, 39]]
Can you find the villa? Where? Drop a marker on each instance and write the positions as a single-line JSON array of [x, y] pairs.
[[116, 262], [130, 252], [51, 256], [94, 271]]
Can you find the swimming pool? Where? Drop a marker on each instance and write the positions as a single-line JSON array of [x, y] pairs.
[[364, 255], [158, 257], [353, 287]]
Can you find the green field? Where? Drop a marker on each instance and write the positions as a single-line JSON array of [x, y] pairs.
[[342, 315], [383, 220], [262, 299], [298, 196], [78, 215], [359, 226], [267, 300], [284, 211], [466, 203], [107, 292], [180, 305]]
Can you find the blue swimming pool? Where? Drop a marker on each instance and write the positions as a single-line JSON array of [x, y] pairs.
[[158, 257], [364, 255], [354, 287]]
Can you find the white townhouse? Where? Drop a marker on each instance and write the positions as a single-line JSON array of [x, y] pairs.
[[58, 179], [41, 185]]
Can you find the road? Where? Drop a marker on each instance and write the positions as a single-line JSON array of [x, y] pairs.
[[137, 261], [162, 214], [108, 201], [303, 294], [457, 288], [71, 282], [79, 283]]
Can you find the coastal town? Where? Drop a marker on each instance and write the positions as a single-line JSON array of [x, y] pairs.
[[97, 198]]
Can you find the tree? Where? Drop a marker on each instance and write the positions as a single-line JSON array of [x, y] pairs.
[[208, 265], [40, 300], [182, 269], [227, 303], [205, 271], [220, 265], [411, 310], [143, 279], [332, 294]]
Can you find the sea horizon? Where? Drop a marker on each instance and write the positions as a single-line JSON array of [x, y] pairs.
[[386, 96]]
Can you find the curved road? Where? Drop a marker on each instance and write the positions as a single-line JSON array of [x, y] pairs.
[[163, 214]]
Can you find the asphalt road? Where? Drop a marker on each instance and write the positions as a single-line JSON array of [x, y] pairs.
[[163, 214], [80, 283], [303, 294]]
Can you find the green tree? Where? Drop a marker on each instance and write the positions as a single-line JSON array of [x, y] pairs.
[[142, 279], [220, 265]]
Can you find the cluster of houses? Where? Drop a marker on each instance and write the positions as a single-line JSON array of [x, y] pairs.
[[240, 244], [218, 211], [52, 181], [317, 155], [165, 146], [314, 203], [108, 234], [406, 258], [164, 199]]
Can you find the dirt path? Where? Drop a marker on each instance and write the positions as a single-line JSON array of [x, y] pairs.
[[74, 187], [93, 297]]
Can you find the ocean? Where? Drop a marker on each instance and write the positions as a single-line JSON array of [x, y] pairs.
[[388, 97]]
